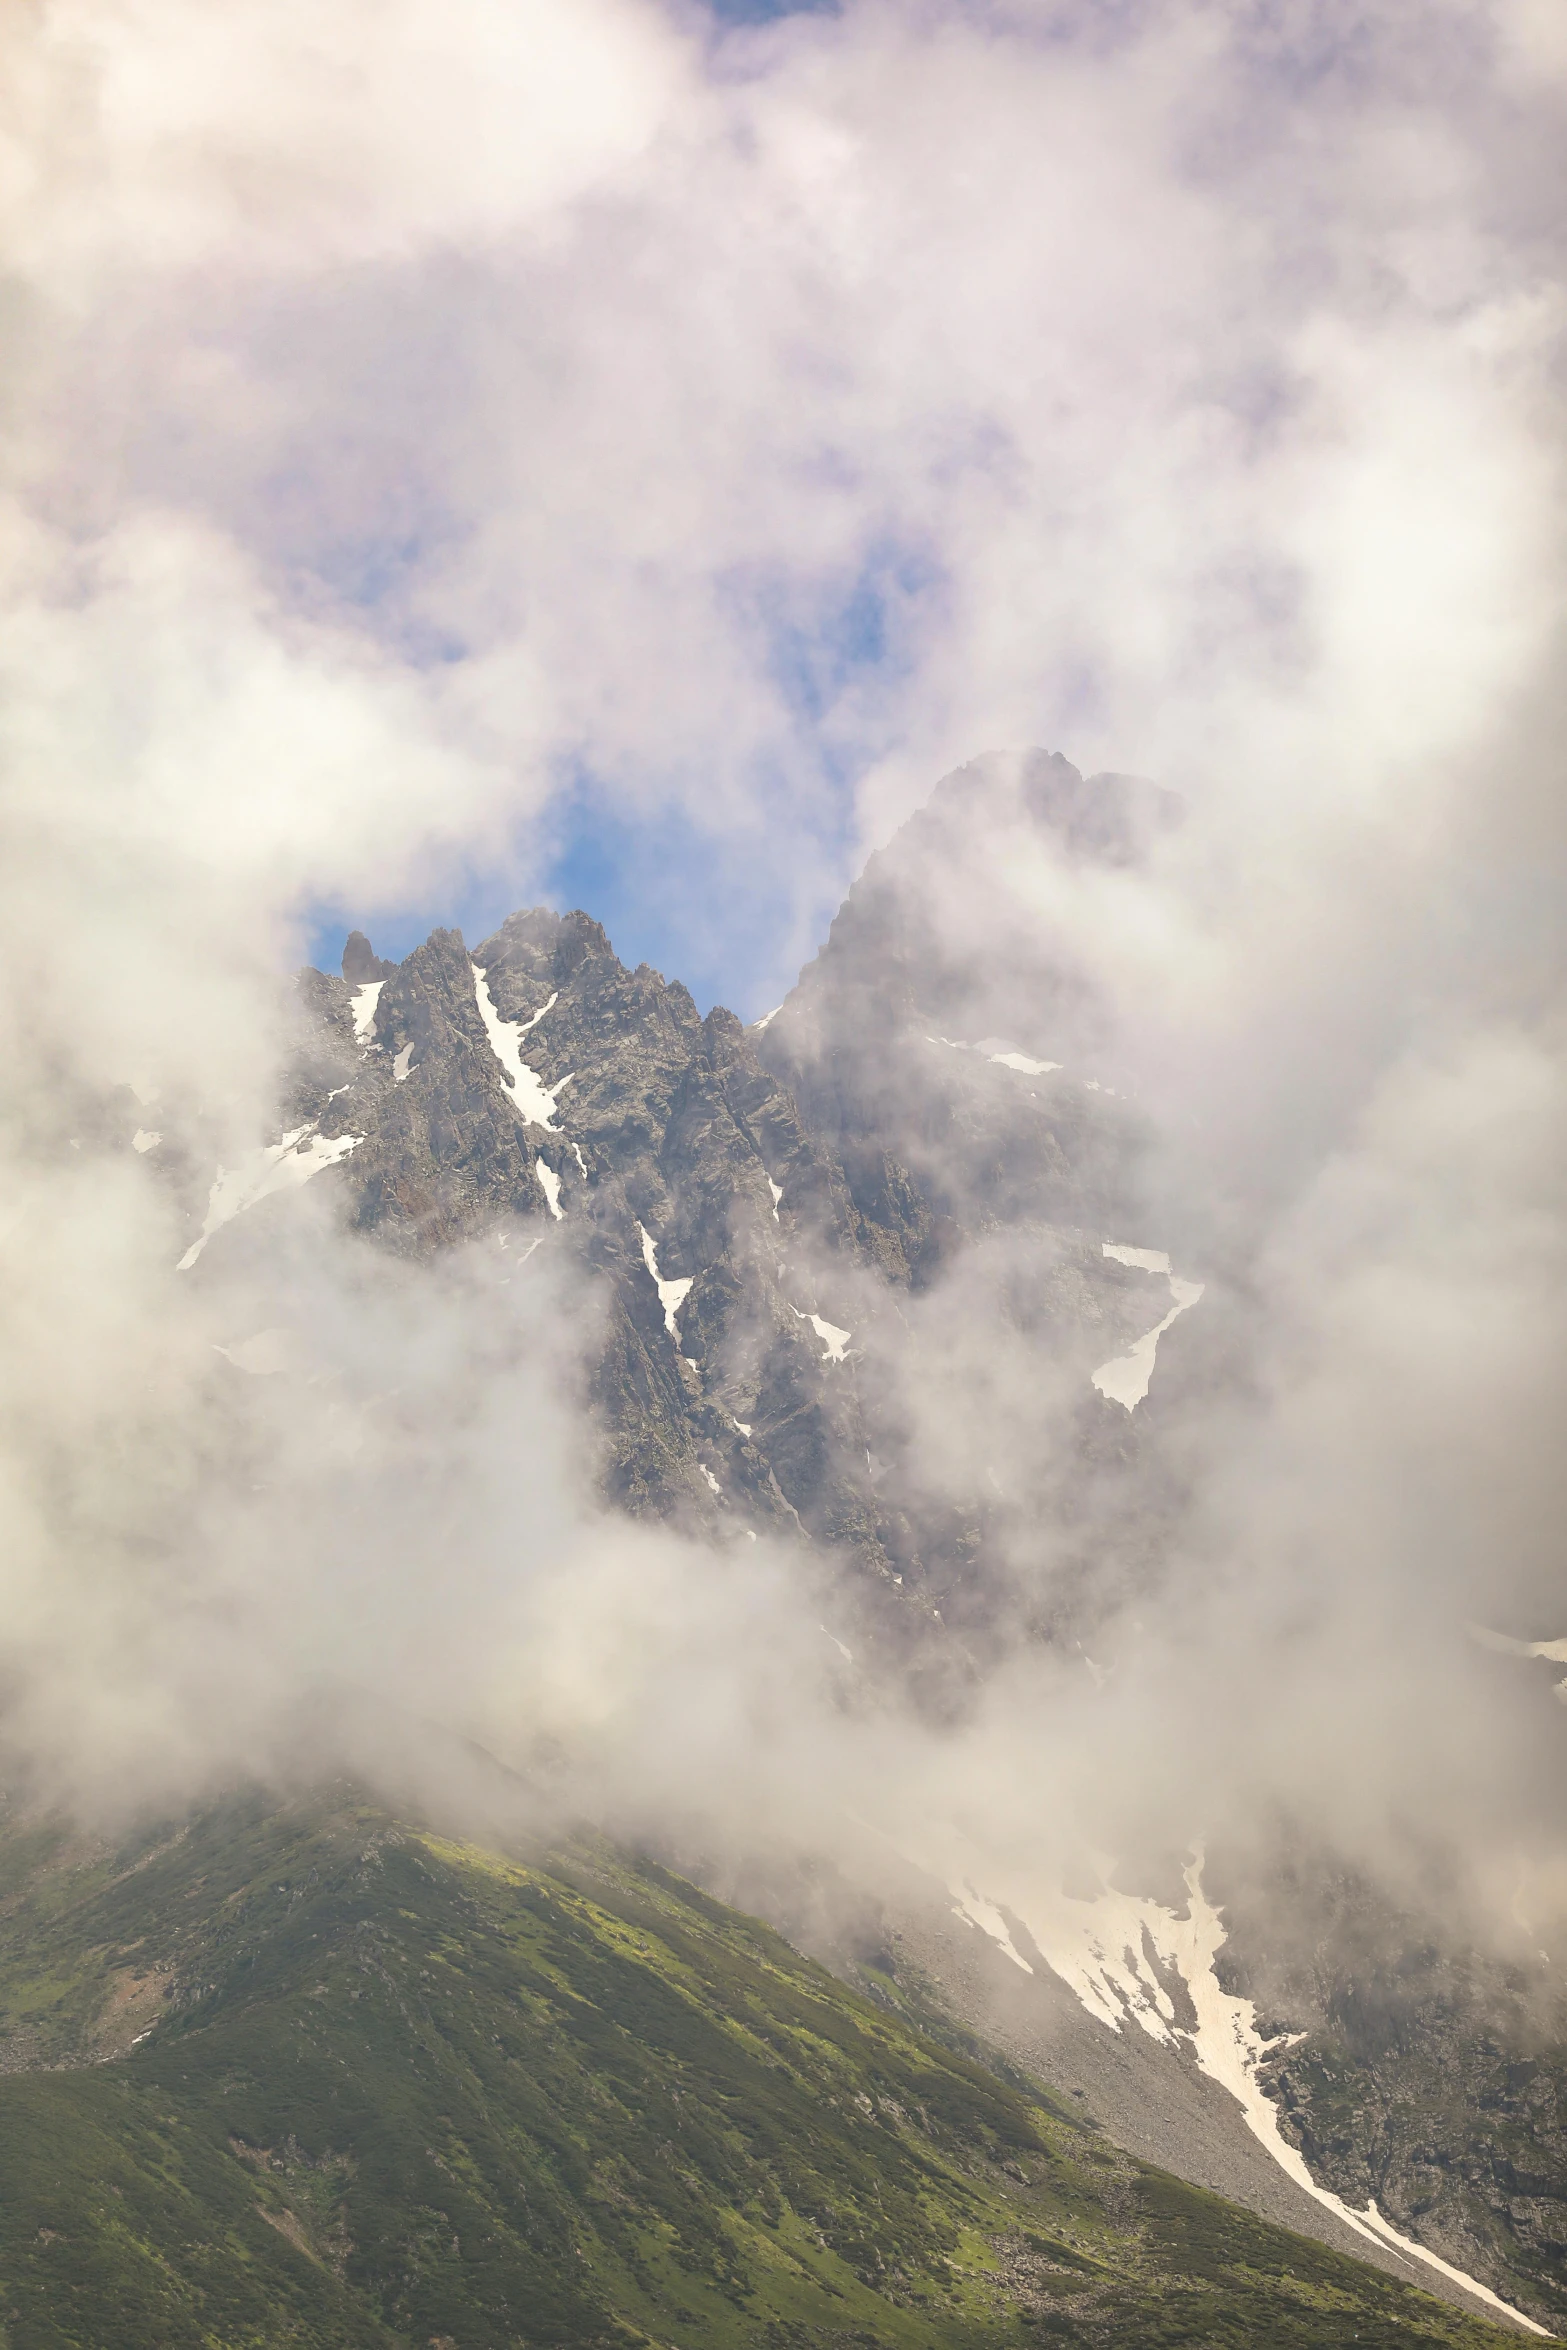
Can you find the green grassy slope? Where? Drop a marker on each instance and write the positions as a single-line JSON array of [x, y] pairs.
[[303, 2074]]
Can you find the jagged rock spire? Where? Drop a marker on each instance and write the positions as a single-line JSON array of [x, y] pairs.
[[361, 962]]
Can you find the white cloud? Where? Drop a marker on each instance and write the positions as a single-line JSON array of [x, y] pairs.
[[411, 404], [158, 134]]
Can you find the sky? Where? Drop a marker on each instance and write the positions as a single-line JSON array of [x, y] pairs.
[[469, 453]]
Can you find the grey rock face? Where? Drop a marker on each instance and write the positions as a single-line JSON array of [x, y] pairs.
[[644, 1119], [942, 1030], [361, 962], [948, 1046], [1430, 2075]]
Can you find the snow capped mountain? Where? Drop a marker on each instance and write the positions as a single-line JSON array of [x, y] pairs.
[[887, 1271]]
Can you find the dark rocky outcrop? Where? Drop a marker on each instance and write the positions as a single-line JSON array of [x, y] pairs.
[[361, 962]]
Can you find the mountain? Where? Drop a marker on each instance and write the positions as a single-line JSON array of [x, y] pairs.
[[310, 2072], [768, 1206], [939, 1033], [882, 1272]]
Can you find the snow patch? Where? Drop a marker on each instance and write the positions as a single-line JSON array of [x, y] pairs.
[[1553, 1651], [846, 1653], [282, 1166], [671, 1294], [363, 1006], [766, 1020], [142, 1140], [549, 1182], [777, 1191], [744, 1426], [533, 1100], [1454, 2276], [403, 1063], [1125, 1380], [834, 1341], [966, 1903], [998, 1049], [1005, 1054], [582, 1164], [711, 1479], [1147, 1260], [262, 1356]]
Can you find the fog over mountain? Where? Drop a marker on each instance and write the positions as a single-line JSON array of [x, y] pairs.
[[1043, 523], [258, 1452]]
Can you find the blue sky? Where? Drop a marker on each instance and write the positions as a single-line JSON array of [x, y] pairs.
[[732, 912], [713, 911], [760, 11]]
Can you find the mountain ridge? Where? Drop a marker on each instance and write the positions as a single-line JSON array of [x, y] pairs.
[[773, 1218]]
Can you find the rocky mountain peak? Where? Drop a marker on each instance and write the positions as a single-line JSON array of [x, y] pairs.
[[360, 961], [1108, 818]]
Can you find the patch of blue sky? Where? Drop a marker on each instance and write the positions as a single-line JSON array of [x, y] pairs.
[[730, 901], [764, 11], [825, 638], [732, 913], [377, 577], [476, 903]]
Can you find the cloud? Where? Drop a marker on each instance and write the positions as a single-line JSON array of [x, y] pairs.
[[421, 417], [148, 134], [798, 409]]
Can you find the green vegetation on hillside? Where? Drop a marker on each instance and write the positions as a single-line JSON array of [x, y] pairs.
[[357, 2085]]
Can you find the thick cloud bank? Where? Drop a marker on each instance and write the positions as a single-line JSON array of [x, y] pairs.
[[419, 419]]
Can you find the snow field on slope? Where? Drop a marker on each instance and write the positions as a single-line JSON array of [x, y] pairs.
[[549, 1184], [281, 1166], [1552, 1651], [1125, 1380], [533, 1100], [998, 1050], [1100, 1950], [363, 1006], [672, 1295], [834, 1341], [263, 1356]]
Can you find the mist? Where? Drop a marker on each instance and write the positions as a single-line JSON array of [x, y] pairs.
[[416, 423]]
